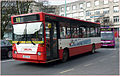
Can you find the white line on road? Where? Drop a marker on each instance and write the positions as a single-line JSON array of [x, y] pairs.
[[108, 49], [88, 64], [66, 70], [113, 56], [102, 60], [7, 60]]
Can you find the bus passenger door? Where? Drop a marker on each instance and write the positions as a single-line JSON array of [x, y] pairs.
[[51, 41]]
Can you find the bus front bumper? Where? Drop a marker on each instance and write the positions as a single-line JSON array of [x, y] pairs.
[[29, 58], [107, 44]]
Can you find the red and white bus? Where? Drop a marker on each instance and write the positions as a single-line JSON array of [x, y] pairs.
[[42, 38]]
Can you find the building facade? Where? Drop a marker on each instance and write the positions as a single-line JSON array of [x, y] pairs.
[[93, 10], [41, 7]]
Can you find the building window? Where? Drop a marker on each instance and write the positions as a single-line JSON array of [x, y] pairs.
[[81, 6], [88, 13], [62, 9], [96, 3], [106, 11], [105, 1], [75, 15], [68, 8], [97, 20], [81, 14], [97, 12], [115, 9], [88, 19], [69, 15], [62, 14], [88, 4], [115, 19], [82, 18], [106, 19], [115, 0], [74, 7]]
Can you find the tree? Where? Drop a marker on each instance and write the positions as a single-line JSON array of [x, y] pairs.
[[104, 20], [9, 8]]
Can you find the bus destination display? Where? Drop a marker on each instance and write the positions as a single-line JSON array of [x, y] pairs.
[[106, 29], [27, 18]]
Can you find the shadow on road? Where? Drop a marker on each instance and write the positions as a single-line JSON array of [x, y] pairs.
[[5, 58], [77, 60]]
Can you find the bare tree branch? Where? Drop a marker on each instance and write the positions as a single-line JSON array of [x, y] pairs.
[[9, 8]]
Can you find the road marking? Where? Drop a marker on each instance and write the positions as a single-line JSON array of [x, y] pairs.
[[88, 64], [102, 60], [113, 49], [113, 56], [66, 70], [108, 49], [7, 60]]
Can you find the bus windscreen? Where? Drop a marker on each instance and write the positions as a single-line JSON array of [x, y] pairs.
[[107, 36], [106, 29]]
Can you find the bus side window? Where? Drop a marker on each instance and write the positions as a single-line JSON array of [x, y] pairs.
[[92, 32], [62, 32], [98, 31], [68, 33], [82, 32]]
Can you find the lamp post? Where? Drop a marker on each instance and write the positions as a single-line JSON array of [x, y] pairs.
[[65, 8], [84, 9]]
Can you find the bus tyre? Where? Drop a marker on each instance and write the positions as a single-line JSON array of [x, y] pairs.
[[93, 49], [65, 56], [113, 47], [9, 55]]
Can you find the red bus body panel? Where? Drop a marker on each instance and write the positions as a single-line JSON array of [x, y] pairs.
[[33, 57]]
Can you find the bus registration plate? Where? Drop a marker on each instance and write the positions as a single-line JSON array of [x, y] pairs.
[[24, 56], [105, 45]]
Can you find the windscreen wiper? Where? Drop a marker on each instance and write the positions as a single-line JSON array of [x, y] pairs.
[[18, 43], [32, 42]]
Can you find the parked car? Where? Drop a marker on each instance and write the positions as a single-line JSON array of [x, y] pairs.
[[6, 49]]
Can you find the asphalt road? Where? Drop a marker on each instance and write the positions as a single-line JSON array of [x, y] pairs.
[[104, 62]]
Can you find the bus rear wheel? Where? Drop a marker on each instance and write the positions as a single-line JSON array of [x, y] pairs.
[[65, 56], [113, 46], [93, 49]]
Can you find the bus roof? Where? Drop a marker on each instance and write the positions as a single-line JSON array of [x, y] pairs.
[[62, 18], [107, 27]]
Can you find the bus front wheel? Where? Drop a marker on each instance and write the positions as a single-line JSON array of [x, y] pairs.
[[65, 56], [93, 49]]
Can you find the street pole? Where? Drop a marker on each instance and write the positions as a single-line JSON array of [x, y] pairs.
[[19, 7], [65, 8], [118, 33], [84, 10]]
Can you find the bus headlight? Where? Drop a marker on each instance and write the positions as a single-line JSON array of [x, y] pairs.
[[15, 52], [39, 53]]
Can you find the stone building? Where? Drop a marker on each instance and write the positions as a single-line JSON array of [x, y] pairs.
[[93, 10]]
